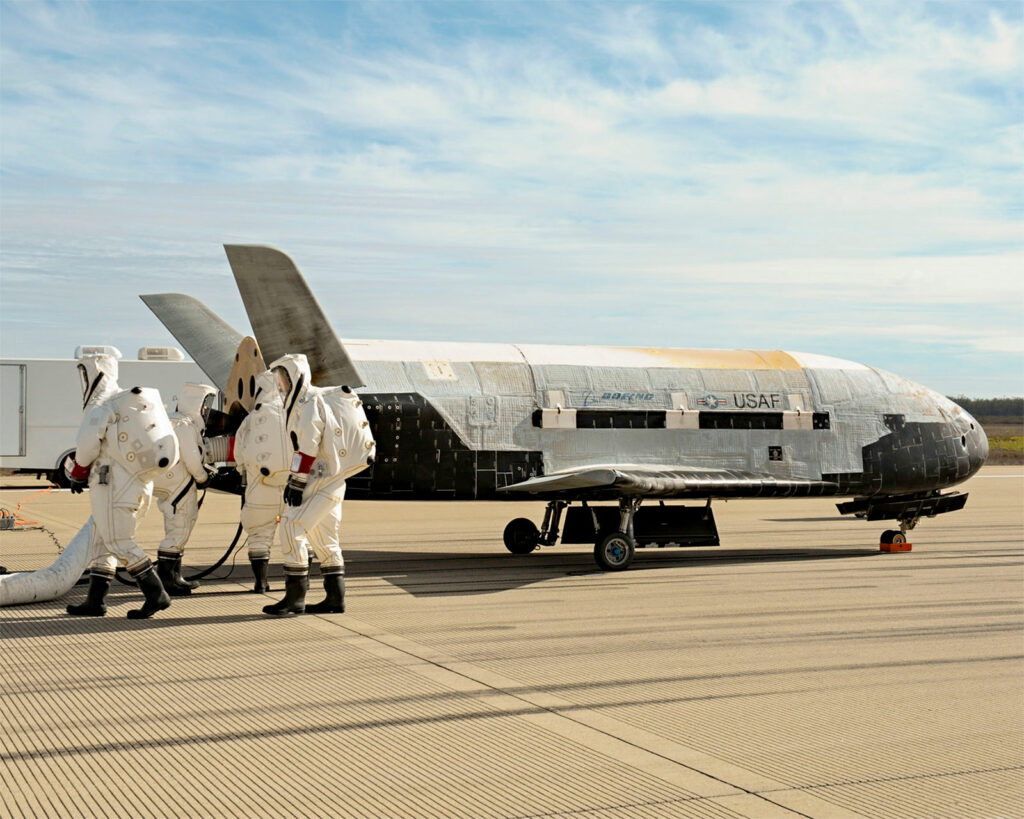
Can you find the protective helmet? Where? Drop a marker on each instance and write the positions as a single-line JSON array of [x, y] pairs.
[[292, 372], [195, 400], [98, 376], [266, 390]]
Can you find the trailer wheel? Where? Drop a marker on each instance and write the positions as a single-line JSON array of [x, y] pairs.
[[521, 536], [614, 552], [57, 476]]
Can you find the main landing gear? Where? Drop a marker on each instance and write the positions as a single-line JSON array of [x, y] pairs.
[[614, 552], [614, 545]]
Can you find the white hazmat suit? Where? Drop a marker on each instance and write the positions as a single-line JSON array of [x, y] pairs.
[[175, 489], [331, 440], [263, 456], [122, 437]]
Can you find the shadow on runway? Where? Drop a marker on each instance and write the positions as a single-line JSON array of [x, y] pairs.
[[57, 621], [434, 574], [828, 519], [421, 574]]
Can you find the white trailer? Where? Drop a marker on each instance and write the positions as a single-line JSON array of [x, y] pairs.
[[41, 404]]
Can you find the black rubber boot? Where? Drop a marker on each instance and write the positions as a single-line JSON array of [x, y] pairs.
[[168, 568], [334, 585], [156, 598], [99, 585], [260, 565], [192, 584], [294, 602]]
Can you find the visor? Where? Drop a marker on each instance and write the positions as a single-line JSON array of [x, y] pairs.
[[283, 381]]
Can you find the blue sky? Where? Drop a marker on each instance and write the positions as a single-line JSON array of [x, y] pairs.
[[839, 178]]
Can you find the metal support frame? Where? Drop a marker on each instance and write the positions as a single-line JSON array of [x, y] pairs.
[[552, 520], [593, 518], [628, 507]]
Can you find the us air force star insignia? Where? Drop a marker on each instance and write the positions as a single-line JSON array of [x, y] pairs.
[[711, 401]]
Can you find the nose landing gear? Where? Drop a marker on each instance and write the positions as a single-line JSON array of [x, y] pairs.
[[895, 540]]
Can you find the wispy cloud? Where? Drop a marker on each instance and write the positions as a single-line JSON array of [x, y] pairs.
[[559, 159]]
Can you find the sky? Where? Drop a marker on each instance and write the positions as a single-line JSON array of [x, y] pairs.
[[840, 178]]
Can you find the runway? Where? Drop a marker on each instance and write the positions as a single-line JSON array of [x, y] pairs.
[[793, 671]]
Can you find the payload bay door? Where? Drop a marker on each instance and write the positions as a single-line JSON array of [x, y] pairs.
[[12, 409]]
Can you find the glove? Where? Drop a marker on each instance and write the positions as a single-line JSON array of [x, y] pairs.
[[211, 473], [294, 488], [78, 476]]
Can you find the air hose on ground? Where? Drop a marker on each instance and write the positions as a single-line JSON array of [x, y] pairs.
[[127, 580], [14, 521], [231, 548], [205, 572], [219, 563]]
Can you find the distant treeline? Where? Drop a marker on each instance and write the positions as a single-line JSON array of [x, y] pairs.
[[993, 410]]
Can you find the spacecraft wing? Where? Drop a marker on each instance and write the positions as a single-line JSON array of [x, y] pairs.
[[661, 481]]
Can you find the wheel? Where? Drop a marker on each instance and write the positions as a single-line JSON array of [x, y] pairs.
[[521, 536], [614, 552], [57, 476], [893, 536]]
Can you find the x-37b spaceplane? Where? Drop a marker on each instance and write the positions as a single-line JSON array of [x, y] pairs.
[[606, 435]]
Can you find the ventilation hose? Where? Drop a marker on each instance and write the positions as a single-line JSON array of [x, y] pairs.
[[128, 581], [219, 563]]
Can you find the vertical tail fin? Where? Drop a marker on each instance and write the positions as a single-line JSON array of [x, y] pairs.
[[210, 340], [285, 315]]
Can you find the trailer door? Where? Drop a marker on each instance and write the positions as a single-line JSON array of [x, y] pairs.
[[12, 409]]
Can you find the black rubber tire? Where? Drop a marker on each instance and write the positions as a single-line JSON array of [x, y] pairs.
[[521, 536], [893, 536], [57, 476], [614, 552]]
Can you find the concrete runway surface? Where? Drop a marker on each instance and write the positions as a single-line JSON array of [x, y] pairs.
[[793, 671]]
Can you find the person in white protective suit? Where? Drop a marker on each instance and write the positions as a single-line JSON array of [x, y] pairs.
[[327, 450], [175, 489], [263, 456], [117, 496]]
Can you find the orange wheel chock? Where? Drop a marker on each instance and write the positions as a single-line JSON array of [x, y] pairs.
[[895, 547]]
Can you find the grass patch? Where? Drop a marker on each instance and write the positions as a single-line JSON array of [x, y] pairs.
[[1010, 444], [1006, 449]]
